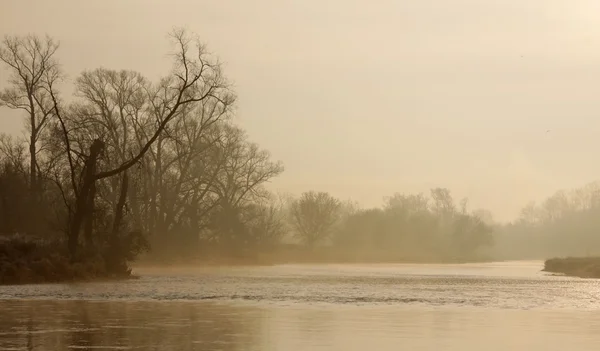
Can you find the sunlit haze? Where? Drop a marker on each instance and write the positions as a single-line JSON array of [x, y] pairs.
[[495, 100]]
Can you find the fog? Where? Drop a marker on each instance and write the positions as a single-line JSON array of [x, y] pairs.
[[363, 100], [303, 131], [278, 174]]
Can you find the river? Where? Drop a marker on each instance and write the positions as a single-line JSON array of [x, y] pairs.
[[490, 306]]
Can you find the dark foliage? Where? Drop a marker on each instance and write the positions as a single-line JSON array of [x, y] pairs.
[[25, 260]]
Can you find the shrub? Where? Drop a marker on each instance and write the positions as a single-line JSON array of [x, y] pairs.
[[27, 260]]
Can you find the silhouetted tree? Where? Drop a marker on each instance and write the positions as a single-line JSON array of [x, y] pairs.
[[266, 222], [126, 157], [313, 216], [29, 60]]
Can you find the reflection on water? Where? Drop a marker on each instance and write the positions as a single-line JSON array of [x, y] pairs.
[[58, 325], [80, 325], [509, 306]]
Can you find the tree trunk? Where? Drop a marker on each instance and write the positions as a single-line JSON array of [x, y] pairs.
[[84, 197], [134, 204], [33, 222], [89, 219], [32, 167], [115, 257], [120, 205], [32, 148]]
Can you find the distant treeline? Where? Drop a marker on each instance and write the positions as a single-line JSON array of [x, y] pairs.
[[126, 166], [565, 224]]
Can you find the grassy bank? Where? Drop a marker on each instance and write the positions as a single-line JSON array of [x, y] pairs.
[[584, 267], [28, 261]]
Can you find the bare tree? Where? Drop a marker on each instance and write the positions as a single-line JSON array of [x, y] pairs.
[[181, 170], [244, 170], [12, 150], [195, 78], [266, 222], [29, 59], [113, 104], [313, 216]]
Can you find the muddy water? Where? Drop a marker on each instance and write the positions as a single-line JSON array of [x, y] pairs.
[[496, 306]]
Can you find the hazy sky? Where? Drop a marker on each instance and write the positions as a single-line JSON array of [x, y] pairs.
[[367, 98]]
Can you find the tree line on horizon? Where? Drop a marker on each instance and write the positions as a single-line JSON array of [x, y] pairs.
[[566, 223], [126, 165]]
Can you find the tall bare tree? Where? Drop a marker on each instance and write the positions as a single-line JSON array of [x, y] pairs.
[[29, 59], [181, 169], [113, 103], [244, 170]]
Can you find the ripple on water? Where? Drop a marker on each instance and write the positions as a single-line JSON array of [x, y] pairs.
[[498, 285]]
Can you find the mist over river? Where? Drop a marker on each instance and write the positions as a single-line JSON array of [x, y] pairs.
[[491, 306]]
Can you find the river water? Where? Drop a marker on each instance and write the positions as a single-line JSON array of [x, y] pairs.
[[491, 306]]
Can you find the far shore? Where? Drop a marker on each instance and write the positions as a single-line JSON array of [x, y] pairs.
[[582, 267]]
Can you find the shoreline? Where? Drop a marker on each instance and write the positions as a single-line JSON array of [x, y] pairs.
[[216, 264], [580, 267], [56, 269]]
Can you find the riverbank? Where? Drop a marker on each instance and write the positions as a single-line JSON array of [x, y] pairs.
[[583, 267], [29, 261], [33, 261]]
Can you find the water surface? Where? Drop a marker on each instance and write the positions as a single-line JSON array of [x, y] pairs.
[[494, 306]]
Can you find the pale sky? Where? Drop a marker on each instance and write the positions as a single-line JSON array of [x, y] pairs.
[[367, 98]]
